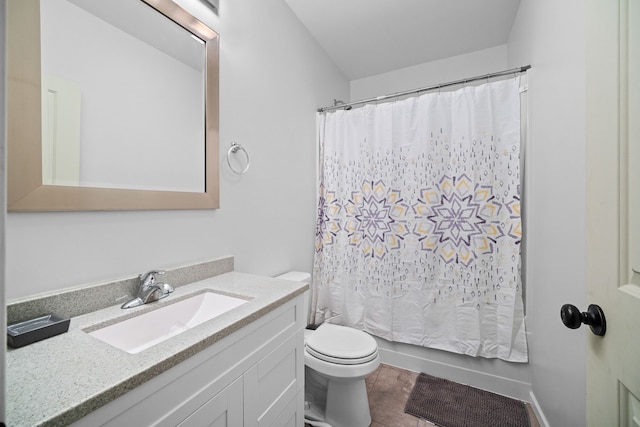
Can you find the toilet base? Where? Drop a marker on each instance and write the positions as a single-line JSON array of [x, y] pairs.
[[347, 404]]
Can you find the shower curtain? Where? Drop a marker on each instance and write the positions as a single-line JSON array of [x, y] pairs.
[[418, 229]]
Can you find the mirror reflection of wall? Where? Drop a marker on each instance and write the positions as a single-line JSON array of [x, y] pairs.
[[104, 79]]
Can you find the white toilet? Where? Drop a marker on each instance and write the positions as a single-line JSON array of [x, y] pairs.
[[337, 359]]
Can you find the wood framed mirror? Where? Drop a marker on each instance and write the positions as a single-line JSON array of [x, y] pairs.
[[31, 189]]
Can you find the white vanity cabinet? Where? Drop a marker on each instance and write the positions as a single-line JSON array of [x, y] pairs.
[[252, 377]]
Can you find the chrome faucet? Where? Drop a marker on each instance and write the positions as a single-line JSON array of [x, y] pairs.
[[149, 289]]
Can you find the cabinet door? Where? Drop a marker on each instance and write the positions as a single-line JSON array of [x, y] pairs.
[[222, 410]]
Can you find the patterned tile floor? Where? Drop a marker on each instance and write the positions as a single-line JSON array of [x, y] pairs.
[[388, 389]]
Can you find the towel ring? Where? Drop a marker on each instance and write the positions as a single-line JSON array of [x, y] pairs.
[[235, 147]]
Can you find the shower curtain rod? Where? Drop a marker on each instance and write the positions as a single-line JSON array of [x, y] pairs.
[[348, 106]]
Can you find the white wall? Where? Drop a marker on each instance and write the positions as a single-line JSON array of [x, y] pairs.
[[431, 73], [550, 35], [3, 206], [511, 379], [273, 77]]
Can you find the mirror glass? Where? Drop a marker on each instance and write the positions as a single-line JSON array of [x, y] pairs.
[[122, 97], [112, 105]]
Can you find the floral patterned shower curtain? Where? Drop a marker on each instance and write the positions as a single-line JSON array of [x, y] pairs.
[[418, 231]]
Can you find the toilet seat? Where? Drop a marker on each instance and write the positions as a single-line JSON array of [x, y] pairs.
[[341, 345]]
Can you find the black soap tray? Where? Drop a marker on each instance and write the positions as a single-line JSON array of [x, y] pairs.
[[30, 331]]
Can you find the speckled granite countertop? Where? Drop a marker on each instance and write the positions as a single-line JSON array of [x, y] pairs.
[[63, 378]]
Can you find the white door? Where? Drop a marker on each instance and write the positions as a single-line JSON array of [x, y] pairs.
[[613, 210], [61, 114]]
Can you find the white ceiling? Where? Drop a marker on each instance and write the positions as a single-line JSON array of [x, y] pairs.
[[368, 37]]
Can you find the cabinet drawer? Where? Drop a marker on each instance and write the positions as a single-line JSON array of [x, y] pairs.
[[274, 382], [293, 414], [223, 410]]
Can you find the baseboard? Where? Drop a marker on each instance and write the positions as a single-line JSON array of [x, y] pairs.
[[538, 410], [509, 387]]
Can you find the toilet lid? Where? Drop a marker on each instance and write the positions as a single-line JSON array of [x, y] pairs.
[[341, 344]]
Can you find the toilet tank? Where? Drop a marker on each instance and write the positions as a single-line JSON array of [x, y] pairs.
[[301, 277], [296, 276]]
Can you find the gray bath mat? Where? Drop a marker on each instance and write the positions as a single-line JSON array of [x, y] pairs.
[[450, 404]]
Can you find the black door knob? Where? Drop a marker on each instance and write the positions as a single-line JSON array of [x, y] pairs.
[[594, 317]]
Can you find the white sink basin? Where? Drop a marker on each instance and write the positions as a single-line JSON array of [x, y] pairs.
[[141, 332]]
